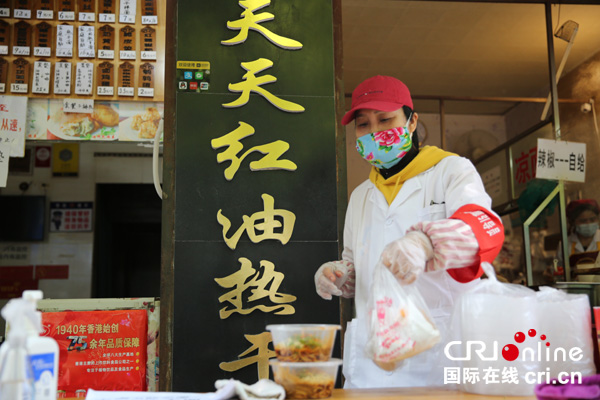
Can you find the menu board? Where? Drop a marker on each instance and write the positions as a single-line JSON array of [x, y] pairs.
[[62, 77], [84, 78], [43, 40], [105, 79], [126, 72], [71, 31], [3, 74], [146, 82], [106, 11], [66, 10], [4, 37], [44, 9], [41, 77], [21, 39], [127, 43], [20, 76]]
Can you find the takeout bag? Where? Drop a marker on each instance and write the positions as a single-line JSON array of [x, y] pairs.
[[399, 323], [500, 332]]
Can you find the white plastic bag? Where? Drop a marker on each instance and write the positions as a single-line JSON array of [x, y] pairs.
[[400, 325], [496, 321]]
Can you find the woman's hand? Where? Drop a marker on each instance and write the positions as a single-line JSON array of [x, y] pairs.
[[407, 256], [335, 278]]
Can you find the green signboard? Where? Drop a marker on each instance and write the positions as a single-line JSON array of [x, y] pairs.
[[255, 181]]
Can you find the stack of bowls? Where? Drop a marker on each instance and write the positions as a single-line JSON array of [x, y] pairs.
[[304, 366]]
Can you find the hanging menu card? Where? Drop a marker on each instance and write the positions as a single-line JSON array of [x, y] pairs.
[[21, 39], [62, 77], [146, 82], [86, 41], [41, 77], [4, 37], [127, 40], [44, 9], [20, 76], [5, 8], [125, 80], [105, 82], [3, 74], [86, 10], [84, 78], [149, 14], [148, 43], [106, 42], [64, 40], [22, 9], [66, 10], [127, 11], [43, 38], [106, 10]]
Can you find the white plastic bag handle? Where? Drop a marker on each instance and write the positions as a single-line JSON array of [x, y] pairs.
[[489, 271]]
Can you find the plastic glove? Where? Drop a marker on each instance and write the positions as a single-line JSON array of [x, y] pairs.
[[263, 389], [335, 278], [407, 256]]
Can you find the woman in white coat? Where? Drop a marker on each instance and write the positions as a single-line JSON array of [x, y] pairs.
[[584, 235], [424, 213]]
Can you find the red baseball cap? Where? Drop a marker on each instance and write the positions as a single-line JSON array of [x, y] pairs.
[[383, 93], [574, 205]]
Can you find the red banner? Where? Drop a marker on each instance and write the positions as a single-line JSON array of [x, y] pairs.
[[101, 350]]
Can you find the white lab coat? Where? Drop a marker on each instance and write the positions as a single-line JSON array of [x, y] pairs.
[[371, 224], [574, 239]]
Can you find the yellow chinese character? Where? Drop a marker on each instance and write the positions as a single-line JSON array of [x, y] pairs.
[[114, 328], [110, 344], [93, 344], [267, 226], [101, 343], [272, 152], [260, 343], [251, 21], [106, 328], [119, 343], [127, 342], [82, 329], [265, 286], [91, 328], [252, 83], [99, 328], [135, 342]]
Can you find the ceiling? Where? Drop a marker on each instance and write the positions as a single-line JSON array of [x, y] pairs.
[[466, 49]]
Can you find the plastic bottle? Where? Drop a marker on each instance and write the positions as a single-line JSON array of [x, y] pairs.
[[16, 375], [42, 352]]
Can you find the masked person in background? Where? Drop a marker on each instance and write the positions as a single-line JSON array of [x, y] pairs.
[[424, 213], [584, 237]]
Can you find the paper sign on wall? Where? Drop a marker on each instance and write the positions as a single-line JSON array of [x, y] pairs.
[[13, 111], [4, 158], [62, 78], [64, 40], [561, 160]]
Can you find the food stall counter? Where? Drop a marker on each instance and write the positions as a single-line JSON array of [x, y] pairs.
[[421, 393]]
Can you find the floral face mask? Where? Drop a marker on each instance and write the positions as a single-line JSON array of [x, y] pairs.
[[384, 149]]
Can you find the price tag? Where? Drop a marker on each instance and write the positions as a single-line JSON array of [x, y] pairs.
[[21, 51], [62, 78], [149, 20], [23, 14], [64, 41], [3, 50], [127, 11], [87, 17], [41, 77], [18, 88], [126, 91], [127, 55], [105, 91], [5, 12], [42, 51], [84, 106], [66, 16], [106, 54], [106, 18], [86, 42], [146, 92], [84, 75], [45, 14], [148, 55]]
